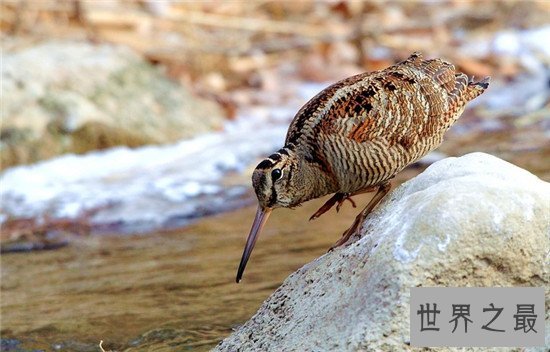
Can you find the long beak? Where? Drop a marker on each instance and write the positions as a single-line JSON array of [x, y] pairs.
[[259, 222]]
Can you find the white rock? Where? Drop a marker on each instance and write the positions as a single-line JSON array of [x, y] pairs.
[[469, 221]]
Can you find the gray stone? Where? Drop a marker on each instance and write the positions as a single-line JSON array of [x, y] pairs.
[[469, 221], [61, 97]]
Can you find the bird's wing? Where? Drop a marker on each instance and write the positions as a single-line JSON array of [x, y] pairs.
[[411, 100]]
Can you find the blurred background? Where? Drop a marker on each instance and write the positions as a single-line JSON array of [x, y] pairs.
[[130, 130]]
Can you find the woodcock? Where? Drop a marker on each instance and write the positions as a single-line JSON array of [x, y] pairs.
[[357, 134]]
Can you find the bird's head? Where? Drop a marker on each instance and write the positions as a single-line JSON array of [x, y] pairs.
[[272, 180]]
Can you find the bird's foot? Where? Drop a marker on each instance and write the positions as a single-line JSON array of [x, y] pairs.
[[347, 234], [338, 199], [382, 190]]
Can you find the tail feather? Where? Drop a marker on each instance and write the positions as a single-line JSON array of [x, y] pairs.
[[459, 87], [476, 88]]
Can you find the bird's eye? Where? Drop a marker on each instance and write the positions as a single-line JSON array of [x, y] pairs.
[[276, 174]]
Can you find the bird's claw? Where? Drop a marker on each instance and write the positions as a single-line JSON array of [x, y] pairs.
[[341, 201], [345, 237], [355, 228], [337, 199]]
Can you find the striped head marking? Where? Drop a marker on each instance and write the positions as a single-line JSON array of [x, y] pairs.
[[272, 179], [272, 182]]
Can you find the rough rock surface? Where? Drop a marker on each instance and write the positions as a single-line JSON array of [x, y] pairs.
[[469, 221], [74, 97]]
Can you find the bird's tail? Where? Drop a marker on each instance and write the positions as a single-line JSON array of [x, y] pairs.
[[465, 89], [459, 86], [475, 89]]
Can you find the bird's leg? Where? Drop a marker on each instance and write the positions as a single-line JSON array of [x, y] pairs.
[[336, 198], [339, 199], [380, 193]]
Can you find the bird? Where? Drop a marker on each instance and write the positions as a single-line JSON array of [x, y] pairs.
[[355, 135]]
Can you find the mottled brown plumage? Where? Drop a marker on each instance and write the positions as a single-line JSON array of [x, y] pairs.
[[355, 135]]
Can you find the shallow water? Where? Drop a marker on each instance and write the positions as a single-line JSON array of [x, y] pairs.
[[173, 290], [162, 291]]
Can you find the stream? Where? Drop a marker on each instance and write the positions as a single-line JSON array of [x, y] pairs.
[[164, 291]]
